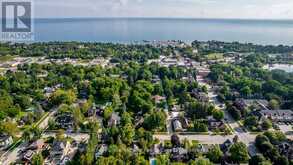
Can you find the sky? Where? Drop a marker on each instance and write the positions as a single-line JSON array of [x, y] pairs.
[[244, 9]]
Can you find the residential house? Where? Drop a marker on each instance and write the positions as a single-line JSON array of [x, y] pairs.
[[226, 146], [286, 149], [203, 149], [200, 96], [216, 124], [240, 104], [203, 72], [156, 150], [158, 99], [59, 153], [276, 115], [177, 126], [65, 121], [179, 154], [37, 145], [114, 119], [101, 150], [257, 104], [28, 155], [5, 141], [155, 79], [135, 148]]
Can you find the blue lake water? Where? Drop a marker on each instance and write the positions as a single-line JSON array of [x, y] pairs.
[[128, 30]]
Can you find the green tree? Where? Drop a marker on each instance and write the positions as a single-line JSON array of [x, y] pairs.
[[27, 135], [154, 120], [266, 124], [259, 160], [274, 104], [198, 126], [275, 136], [9, 128], [23, 100], [126, 118], [239, 152], [37, 159], [215, 154], [61, 96], [88, 158], [175, 140], [77, 116], [201, 161], [260, 139], [246, 91], [163, 159], [127, 134], [251, 121], [282, 160], [218, 114]]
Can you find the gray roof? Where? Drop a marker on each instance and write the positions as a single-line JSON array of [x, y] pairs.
[[277, 112], [115, 116], [4, 137], [59, 145]]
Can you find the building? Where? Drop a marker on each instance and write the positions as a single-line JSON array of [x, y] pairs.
[[226, 145], [277, 115], [114, 119], [59, 153], [216, 124], [240, 104], [65, 121], [5, 141], [176, 108], [203, 148], [101, 150], [200, 96], [286, 149], [37, 145], [177, 126], [156, 149], [258, 104], [28, 155], [179, 154], [158, 99], [203, 72], [155, 79]]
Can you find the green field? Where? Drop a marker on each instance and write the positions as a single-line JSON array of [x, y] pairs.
[[6, 58], [214, 56]]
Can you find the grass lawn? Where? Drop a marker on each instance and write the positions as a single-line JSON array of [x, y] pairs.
[[214, 56], [6, 58]]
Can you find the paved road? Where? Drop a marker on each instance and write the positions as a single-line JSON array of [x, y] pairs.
[[44, 124], [79, 137], [168, 119], [11, 156], [243, 136]]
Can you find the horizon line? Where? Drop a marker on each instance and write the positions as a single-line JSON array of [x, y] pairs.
[[189, 18]]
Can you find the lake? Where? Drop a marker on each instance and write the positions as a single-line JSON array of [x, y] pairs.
[[127, 30], [284, 67]]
